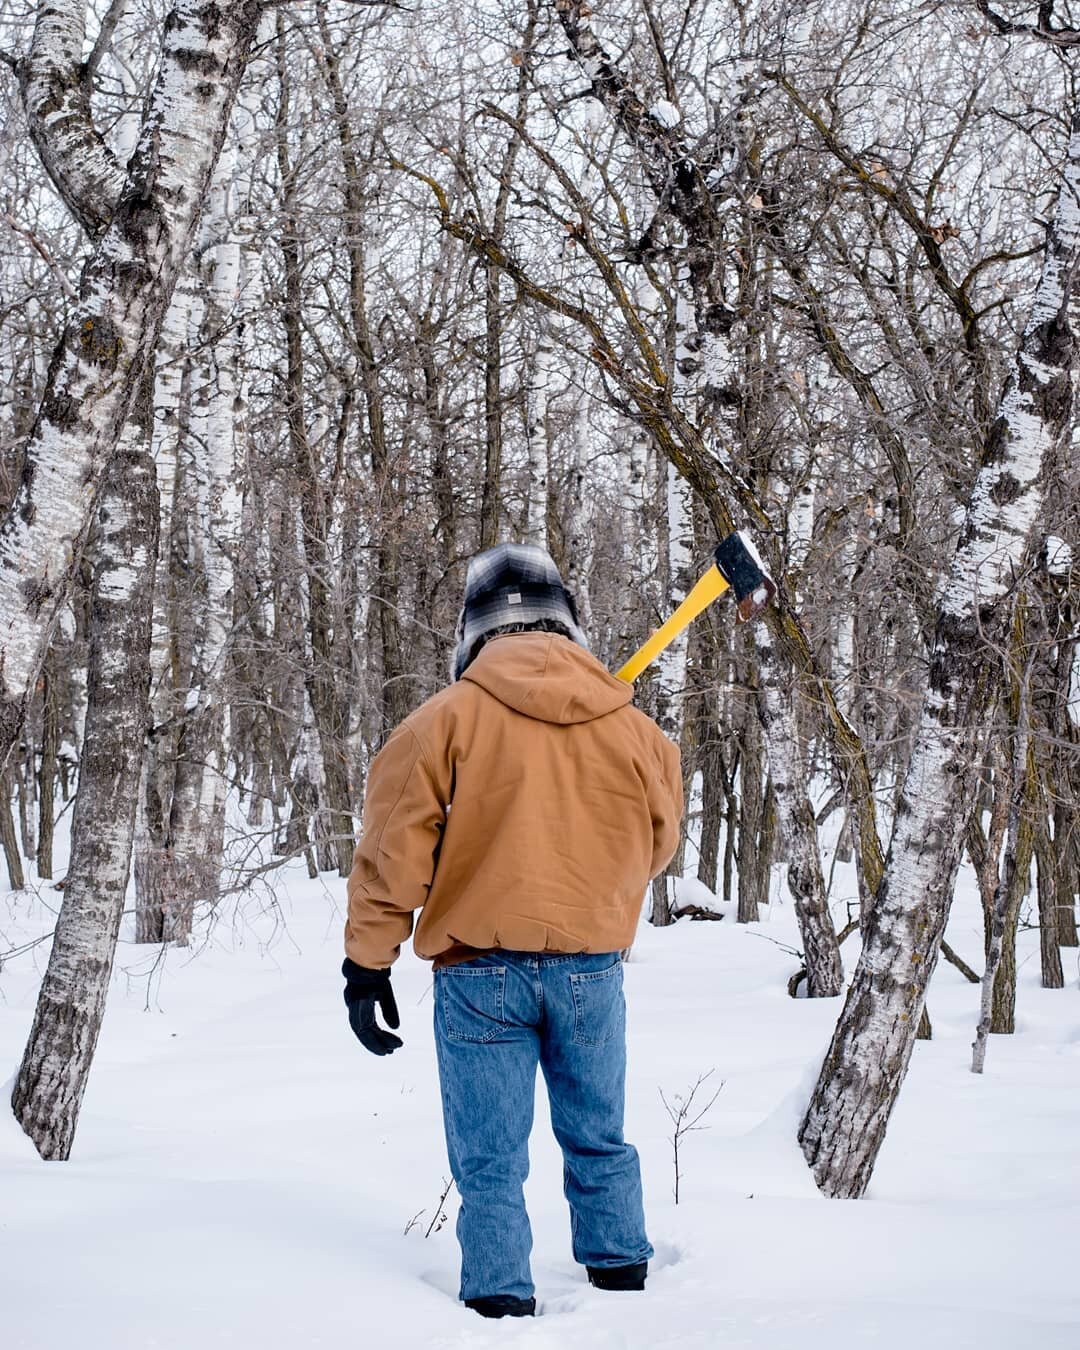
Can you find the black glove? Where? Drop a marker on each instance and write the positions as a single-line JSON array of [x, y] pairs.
[[363, 989]]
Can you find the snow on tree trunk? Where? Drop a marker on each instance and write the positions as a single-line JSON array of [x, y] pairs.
[[56, 1064], [845, 1123], [125, 289]]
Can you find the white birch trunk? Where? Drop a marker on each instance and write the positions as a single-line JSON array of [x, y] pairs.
[[579, 521], [56, 1064], [537, 439], [196, 820], [56, 98], [848, 1114], [125, 287], [844, 651], [800, 498], [671, 665]]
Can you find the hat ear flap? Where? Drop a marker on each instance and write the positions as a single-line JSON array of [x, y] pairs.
[[458, 654]]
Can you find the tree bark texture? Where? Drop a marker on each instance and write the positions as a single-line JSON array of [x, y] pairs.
[[325, 688], [56, 1064], [56, 87], [9, 837], [997, 1004], [124, 290], [848, 1114], [1053, 974], [798, 826], [752, 867], [50, 747]]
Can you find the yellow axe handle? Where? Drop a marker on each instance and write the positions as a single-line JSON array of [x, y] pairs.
[[711, 585]]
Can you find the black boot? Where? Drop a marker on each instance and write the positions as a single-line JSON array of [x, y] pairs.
[[502, 1305], [619, 1277]]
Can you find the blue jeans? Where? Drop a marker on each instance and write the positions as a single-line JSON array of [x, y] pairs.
[[496, 1018]]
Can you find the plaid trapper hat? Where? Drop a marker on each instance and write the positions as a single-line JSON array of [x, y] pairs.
[[511, 584]]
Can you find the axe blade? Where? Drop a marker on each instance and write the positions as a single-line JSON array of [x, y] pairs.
[[739, 563]]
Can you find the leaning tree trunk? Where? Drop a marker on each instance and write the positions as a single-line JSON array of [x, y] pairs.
[[125, 288], [845, 1123], [56, 1064]]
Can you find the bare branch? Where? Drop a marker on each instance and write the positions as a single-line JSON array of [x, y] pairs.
[[40, 248], [109, 24], [1043, 30]]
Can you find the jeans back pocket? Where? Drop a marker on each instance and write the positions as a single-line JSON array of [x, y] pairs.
[[598, 1004], [472, 1002]]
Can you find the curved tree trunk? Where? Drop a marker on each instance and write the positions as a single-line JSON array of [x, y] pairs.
[[861, 1077], [56, 1064], [125, 289]]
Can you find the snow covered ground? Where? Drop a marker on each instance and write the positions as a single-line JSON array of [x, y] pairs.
[[245, 1175]]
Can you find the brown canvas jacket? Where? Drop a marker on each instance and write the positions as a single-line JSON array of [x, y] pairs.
[[526, 807]]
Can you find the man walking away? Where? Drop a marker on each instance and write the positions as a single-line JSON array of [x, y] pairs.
[[523, 811]]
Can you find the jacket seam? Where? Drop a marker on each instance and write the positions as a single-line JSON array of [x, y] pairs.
[[401, 793], [423, 751]]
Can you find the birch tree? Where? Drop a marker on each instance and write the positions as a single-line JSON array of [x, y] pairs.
[[56, 1064], [124, 290], [88, 399], [848, 1114]]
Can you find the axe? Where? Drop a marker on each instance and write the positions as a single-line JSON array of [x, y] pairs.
[[737, 567]]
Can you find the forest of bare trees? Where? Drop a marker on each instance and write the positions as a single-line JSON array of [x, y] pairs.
[[302, 304]]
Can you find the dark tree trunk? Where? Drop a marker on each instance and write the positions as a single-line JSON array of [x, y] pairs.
[[50, 746], [1053, 975], [9, 836], [753, 870], [1067, 856]]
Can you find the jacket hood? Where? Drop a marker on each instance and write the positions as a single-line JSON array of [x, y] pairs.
[[547, 677]]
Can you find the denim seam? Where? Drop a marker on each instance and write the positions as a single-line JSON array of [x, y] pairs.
[[577, 980], [499, 972]]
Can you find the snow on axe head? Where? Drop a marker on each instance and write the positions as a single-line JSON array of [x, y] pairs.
[[739, 563], [737, 567]]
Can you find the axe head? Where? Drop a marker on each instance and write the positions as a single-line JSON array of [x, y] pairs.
[[739, 564]]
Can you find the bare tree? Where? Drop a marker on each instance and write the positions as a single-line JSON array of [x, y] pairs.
[[845, 1123], [125, 288]]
